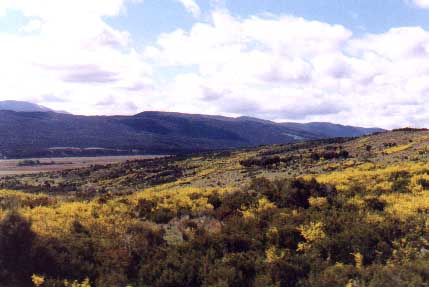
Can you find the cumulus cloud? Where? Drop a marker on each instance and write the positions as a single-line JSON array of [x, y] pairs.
[[32, 26], [89, 74], [191, 6], [275, 67], [289, 68], [69, 52], [421, 3]]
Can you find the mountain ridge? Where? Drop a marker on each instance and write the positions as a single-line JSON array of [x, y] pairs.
[[23, 106], [33, 134]]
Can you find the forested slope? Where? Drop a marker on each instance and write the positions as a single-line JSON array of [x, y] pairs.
[[42, 134]]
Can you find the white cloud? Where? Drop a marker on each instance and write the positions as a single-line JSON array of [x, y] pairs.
[[421, 3], [32, 26], [288, 68], [275, 67], [191, 6], [75, 55]]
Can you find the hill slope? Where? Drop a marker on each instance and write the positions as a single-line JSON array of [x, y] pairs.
[[327, 213], [26, 134], [331, 130]]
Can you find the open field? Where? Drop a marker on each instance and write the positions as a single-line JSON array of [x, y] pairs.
[[12, 167]]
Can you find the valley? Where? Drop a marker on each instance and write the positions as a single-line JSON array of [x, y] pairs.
[[193, 143], [37, 165]]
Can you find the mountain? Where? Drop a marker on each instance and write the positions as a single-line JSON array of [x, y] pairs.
[[21, 106], [332, 130], [26, 134]]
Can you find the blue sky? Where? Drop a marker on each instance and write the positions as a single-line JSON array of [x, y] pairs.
[[355, 62], [361, 16]]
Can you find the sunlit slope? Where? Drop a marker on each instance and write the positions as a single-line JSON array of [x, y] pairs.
[[338, 212]]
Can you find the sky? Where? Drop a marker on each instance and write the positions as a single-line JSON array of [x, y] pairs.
[[356, 62]]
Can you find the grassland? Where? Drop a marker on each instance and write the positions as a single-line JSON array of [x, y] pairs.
[[340, 212], [13, 167]]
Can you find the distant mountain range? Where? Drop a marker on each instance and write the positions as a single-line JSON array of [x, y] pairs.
[[21, 106], [46, 133]]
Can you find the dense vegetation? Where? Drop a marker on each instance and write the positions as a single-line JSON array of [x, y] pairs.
[[354, 215]]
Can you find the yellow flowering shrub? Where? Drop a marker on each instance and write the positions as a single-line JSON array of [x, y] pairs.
[[371, 177], [349, 163], [37, 280], [263, 204], [374, 217], [312, 233], [406, 205], [331, 167], [318, 201], [419, 183], [175, 198], [396, 149], [85, 283], [273, 254], [358, 260]]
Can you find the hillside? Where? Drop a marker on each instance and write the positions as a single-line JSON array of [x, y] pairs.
[[331, 130], [325, 213], [36, 134]]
